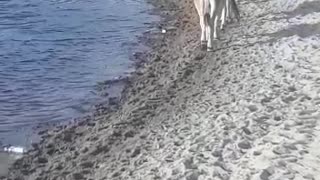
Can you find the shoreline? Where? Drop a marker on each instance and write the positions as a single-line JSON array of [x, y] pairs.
[[111, 104], [246, 111], [23, 108], [110, 91], [105, 92]]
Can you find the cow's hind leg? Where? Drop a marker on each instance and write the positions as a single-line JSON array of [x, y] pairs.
[[211, 25], [199, 4], [215, 28], [223, 18], [208, 25], [203, 39], [228, 10]]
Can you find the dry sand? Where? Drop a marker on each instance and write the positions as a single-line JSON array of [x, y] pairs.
[[247, 111]]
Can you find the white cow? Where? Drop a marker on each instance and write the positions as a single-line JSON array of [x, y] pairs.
[[210, 12], [229, 8]]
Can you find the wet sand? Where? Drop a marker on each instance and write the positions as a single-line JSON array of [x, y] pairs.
[[249, 110], [7, 160], [5, 163]]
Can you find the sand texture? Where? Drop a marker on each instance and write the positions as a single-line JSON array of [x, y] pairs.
[[247, 111]]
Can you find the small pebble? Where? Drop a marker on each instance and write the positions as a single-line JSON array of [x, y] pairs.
[[217, 153], [277, 118], [282, 163], [42, 160], [253, 108], [136, 152], [129, 134], [78, 176], [87, 164], [244, 145], [309, 176], [279, 150], [116, 174], [246, 130], [188, 164], [256, 153], [265, 175], [193, 176]]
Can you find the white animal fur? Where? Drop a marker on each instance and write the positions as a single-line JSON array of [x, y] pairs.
[[210, 12], [229, 8], [225, 14]]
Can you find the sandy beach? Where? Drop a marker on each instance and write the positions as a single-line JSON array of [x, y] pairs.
[[247, 111]]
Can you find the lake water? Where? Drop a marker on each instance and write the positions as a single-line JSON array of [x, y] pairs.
[[52, 54]]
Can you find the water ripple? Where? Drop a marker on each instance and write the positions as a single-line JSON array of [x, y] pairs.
[[53, 52]]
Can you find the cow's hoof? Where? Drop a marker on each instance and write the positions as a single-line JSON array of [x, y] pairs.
[[209, 49], [215, 37], [203, 45]]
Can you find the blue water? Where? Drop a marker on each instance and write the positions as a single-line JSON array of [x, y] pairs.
[[52, 54]]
